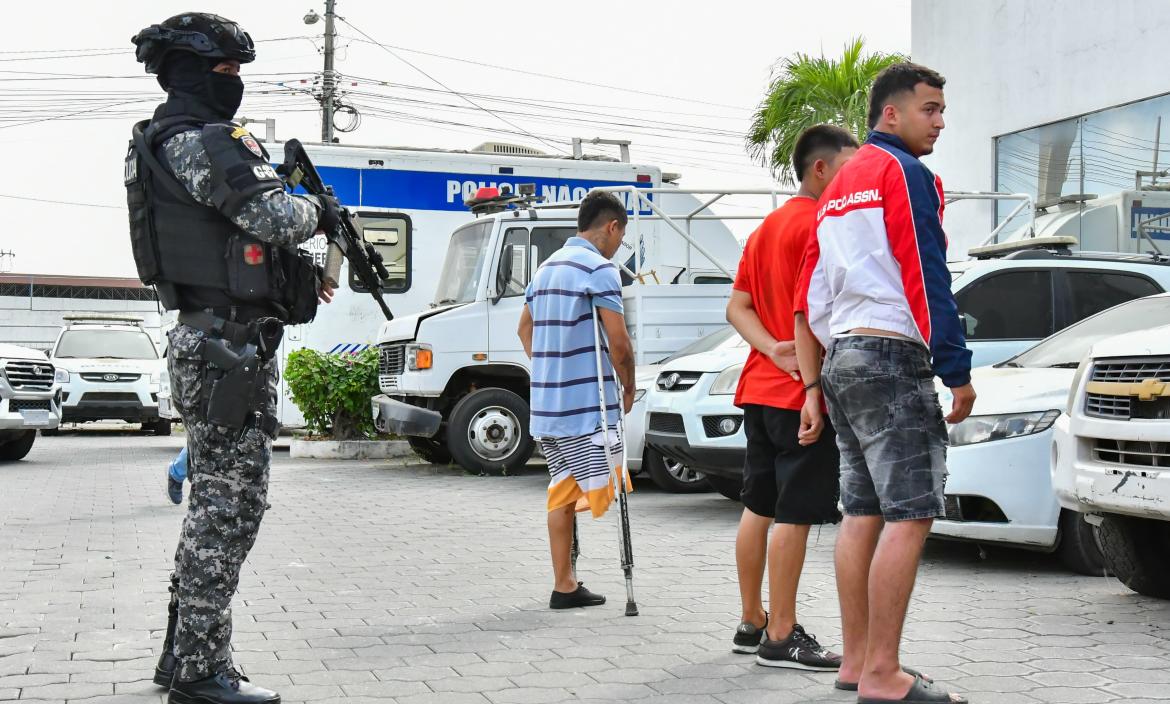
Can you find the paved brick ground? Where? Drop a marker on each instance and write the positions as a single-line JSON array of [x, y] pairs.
[[372, 582]]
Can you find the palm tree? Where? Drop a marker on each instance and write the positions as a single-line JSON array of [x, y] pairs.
[[807, 91]]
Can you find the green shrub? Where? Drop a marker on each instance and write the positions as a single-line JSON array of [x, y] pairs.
[[333, 391]]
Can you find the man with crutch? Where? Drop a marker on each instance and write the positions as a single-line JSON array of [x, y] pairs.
[[577, 285]]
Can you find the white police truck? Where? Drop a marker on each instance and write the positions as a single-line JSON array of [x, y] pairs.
[[455, 379], [408, 202]]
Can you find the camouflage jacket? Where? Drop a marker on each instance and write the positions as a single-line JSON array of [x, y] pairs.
[[275, 216]]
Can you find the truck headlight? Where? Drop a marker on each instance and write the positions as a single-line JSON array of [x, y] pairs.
[[978, 429], [419, 356], [727, 381], [61, 376]]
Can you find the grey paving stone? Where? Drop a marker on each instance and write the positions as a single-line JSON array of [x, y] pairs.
[[376, 605]]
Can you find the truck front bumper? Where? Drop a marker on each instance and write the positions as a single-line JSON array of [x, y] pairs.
[[393, 416], [30, 411]]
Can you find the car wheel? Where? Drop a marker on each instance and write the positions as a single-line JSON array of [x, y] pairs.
[[488, 432], [162, 426], [731, 487], [1078, 548], [1136, 551], [671, 475], [19, 446], [430, 450]]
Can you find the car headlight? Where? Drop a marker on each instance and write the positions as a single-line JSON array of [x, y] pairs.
[[419, 356], [639, 394], [61, 376], [978, 429], [727, 381]]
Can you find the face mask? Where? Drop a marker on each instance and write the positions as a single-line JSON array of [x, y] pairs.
[[225, 92]]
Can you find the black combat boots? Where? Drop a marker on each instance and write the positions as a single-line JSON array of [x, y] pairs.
[[164, 671], [225, 688]]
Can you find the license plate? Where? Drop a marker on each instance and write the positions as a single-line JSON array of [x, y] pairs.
[[35, 417]]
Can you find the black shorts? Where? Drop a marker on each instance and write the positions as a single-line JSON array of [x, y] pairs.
[[783, 479]]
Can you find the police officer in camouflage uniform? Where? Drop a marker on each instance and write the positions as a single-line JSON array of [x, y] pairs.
[[216, 234]]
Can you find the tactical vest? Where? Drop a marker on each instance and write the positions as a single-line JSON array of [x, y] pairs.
[[193, 254]]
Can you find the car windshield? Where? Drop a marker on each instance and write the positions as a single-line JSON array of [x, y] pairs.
[[459, 281], [106, 344], [724, 337], [1067, 347]]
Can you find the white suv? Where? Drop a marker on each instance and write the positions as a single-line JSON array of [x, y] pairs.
[[1111, 453], [109, 369]]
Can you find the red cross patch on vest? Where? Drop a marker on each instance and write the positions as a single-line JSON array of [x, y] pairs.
[[253, 254]]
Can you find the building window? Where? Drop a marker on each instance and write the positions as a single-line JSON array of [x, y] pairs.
[[1064, 163]]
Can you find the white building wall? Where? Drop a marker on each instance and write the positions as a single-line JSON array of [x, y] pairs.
[[1014, 64], [35, 321]]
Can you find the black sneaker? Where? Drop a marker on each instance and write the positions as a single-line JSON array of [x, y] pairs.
[[174, 489], [225, 688], [574, 599], [748, 636], [799, 651]]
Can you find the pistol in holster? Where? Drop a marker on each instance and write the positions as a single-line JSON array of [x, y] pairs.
[[236, 376]]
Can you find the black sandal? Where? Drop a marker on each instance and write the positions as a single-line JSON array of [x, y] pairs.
[[921, 692]]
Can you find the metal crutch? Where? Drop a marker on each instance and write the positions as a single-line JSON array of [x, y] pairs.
[[627, 550]]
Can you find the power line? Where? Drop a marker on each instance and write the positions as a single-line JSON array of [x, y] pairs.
[[432, 78], [61, 202], [556, 78]]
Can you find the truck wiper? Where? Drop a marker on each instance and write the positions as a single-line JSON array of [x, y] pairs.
[[1064, 365], [446, 301]]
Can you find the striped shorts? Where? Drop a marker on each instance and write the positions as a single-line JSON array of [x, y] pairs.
[[580, 470]]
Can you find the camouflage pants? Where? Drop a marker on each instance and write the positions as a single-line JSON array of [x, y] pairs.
[[229, 487]]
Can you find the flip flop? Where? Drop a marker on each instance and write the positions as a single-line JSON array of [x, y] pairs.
[[921, 692], [852, 686]]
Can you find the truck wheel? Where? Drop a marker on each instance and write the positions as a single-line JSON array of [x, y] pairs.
[[728, 486], [430, 450], [17, 447], [1078, 548], [1136, 551], [488, 432], [672, 476], [162, 426]]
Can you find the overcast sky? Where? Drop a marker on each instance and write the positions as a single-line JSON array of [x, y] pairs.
[[713, 59]]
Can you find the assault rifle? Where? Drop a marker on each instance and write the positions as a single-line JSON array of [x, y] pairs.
[[366, 262]]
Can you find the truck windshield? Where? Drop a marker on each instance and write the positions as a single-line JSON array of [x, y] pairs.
[[459, 281], [1067, 347], [106, 344]]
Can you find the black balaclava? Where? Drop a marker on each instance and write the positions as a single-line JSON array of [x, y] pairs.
[[190, 79]]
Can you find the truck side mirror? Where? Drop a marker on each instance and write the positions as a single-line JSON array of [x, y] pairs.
[[504, 273]]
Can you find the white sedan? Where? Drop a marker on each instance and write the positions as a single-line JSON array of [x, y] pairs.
[[1000, 485]]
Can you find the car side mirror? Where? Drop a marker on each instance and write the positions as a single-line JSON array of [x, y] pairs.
[[504, 273], [969, 324]]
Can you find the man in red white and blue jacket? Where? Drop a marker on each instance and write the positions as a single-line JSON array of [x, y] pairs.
[[875, 294]]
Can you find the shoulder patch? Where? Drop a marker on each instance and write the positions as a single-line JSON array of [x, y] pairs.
[[252, 145], [239, 132]]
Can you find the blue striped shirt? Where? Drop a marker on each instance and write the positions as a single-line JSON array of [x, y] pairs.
[[564, 399]]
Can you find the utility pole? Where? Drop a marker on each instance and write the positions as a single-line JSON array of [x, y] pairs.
[[328, 78]]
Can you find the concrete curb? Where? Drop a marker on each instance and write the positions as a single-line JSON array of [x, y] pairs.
[[349, 449]]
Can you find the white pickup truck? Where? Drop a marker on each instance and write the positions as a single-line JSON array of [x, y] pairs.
[[454, 379], [28, 400], [1111, 454]]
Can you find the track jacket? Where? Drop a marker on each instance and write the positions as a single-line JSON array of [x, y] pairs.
[[878, 257]]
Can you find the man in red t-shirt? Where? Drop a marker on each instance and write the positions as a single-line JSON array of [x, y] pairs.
[[784, 482]]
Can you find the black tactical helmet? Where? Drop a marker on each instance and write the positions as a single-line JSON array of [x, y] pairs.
[[206, 35]]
